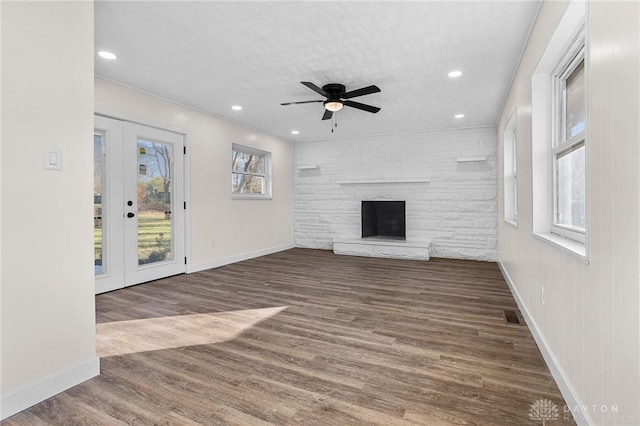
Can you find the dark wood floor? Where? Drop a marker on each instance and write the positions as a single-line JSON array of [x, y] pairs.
[[361, 341]]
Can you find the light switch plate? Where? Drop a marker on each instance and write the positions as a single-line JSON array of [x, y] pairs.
[[52, 158]]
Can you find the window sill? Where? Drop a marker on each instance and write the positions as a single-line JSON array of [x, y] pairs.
[[251, 197], [572, 247], [512, 222]]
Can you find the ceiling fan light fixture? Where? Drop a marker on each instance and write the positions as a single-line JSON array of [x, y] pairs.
[[333, 106], [337, 97]]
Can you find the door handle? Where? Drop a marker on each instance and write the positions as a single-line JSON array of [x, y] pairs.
[[130, 215]]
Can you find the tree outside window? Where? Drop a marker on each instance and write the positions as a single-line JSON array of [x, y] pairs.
[[249, 171]]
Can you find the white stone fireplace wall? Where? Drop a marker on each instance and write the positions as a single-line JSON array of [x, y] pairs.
[[447, 178]]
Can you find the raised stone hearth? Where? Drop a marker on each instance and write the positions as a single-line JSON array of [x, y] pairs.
[[383, 247]]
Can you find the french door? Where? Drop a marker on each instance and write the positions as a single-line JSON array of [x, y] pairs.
[[138, 204]]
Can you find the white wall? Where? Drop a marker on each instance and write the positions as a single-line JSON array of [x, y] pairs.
[[456, 209], [240, 229], [589, 327], [0, 208], [48, 313], [1, 416]]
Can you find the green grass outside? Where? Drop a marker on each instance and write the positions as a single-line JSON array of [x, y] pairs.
[[154, 238]]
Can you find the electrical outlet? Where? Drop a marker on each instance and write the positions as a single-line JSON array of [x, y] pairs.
[[542, 298], [213, 243]]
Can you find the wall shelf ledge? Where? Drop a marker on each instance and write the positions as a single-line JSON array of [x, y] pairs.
[[382, 181]]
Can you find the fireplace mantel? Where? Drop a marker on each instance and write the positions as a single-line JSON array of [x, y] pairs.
[[381, 181]]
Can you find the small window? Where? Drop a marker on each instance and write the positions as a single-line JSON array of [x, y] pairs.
[[510, 137], [250, 172], [569, 145]]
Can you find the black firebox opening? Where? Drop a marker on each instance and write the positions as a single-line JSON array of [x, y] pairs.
[[383, 219]]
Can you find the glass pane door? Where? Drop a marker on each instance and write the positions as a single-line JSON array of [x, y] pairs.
[[138, 182], [153, 203], [107, 205], [155, 227], [99, 176]]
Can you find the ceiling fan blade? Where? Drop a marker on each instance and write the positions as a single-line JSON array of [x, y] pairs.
[[361, 92], [363, 107], [302, 102], [327, 114], [315, 88]]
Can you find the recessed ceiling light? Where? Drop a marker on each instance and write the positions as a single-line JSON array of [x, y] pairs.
[[295, 132], [236, 108], [107, 55], [458, 116], [454, 74]]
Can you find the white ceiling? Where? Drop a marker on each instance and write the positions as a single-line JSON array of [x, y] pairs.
[[212, 55]]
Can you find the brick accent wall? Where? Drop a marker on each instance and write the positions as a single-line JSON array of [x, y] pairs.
[[456, 209]]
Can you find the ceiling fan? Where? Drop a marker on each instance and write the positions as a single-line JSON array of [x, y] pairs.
[[336, 95]]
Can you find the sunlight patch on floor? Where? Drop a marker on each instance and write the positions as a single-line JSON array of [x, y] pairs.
[[152, 334]]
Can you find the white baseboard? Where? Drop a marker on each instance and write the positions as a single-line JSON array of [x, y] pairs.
[[568, 392], [48, 387], [233, 259]]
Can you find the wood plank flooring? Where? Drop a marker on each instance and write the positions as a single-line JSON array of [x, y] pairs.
[[354, 341]]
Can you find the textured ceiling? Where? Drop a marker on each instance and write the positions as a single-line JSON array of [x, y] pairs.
[[212, 55]]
